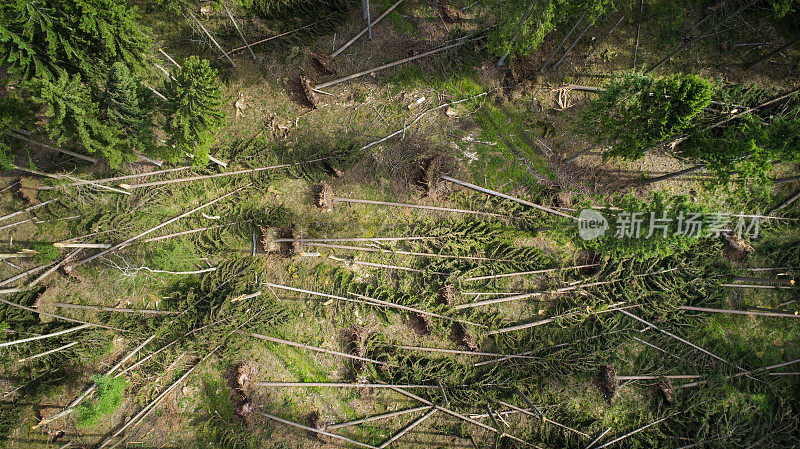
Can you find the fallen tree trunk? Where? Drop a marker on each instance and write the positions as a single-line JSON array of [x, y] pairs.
[[376, 417], [316, 431], [40, 337], [740, 312], [508, 197], [114, 309], [166, 223], [314, 348], [386, 66], [52, 351], [27, 209], [71, 407], [219, 47], [215, 175], [365, 30]]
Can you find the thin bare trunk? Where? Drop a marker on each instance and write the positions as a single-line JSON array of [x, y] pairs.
[[636, 431], [168, 57], [540, 416], [458, 415], [569, 49], [336, 385], [638, 32], [740, 312], [524, 273], [253, 44], [564, 41], [71, 407], [52, 148], [27, 209], [58, 316], [40, 337], [52, 351], [22, 275], [313, 430], [219, 47], [416, 206], [382, 265], [166, 223], [191, 231], [459, 352], [230, 16], [409, 253], [612, 308], [215, 175], [769, 55], [689, 42], [377, 417], [508, 197], [605, 38], [55, 267], [676, 174], [789, 201], [117, 178], [670, 334], [313, 348], [114, 309], [386, 66], [408, 428], [598, 438], [366, 29]]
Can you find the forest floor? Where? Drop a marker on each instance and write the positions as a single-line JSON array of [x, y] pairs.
[[502, 115]]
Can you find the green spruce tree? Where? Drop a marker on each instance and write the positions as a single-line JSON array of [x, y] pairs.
[[636, 112], [193, 110], [523, 25], [127, 106], [57, 51]]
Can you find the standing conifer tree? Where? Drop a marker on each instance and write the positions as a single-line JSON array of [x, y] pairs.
[[127, 105], [636, 111], [193, 110], [55, 51]]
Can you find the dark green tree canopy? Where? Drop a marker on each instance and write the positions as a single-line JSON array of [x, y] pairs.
[[747, 149], [523, 25], [193, 110], [636, 112], [57, 53], [39, 39]]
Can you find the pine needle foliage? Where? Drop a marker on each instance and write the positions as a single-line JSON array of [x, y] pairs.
[[751, 146], [637, 112], [523, 25], [193, 110], [109, 396]]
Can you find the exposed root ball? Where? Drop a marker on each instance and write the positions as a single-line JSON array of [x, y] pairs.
[[271, 245], [323, 64], [447, 294], [608, 382], [323, 197], [420, 323], [665, 391], [355, 343], [427, 172], [243, 407], [28, 189], [737, 248], [462, 338], [308, 94], [312, 420]]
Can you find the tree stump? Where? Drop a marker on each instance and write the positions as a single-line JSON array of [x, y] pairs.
[[323, 197]]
